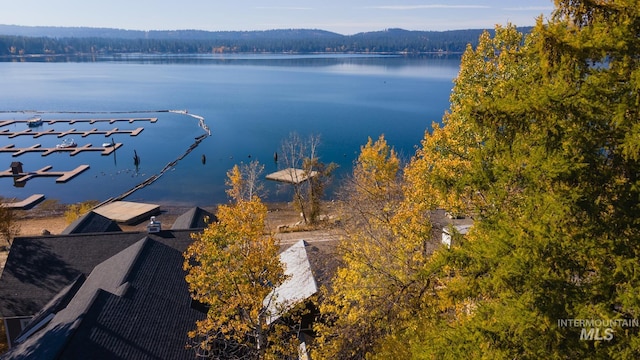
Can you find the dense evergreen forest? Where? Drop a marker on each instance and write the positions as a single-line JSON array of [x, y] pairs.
[[20, 41]]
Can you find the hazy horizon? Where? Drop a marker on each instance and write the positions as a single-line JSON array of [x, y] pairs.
[[252, 15]]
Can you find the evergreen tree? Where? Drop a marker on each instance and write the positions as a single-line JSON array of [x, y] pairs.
[[541, 147]]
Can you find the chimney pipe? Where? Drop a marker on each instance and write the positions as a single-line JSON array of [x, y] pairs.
[[154, 226]]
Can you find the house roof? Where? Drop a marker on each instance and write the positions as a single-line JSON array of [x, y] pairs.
[[133, 305], [193, 219], [38, 268], [299, 286], [59, 302], [91, 222]]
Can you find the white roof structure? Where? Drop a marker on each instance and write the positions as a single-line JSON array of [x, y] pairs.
[[462, 229], [300, 285]]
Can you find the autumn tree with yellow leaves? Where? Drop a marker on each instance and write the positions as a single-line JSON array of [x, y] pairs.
[[378, 285], [244, 181], [233, 267]]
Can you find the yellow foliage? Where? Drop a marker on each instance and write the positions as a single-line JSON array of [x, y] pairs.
[[235, 183], [378, 287], [232, 267], [376, 170], [74, 211]]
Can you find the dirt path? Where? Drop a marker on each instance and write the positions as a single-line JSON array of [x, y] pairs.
[[313, 236], [31, 227]]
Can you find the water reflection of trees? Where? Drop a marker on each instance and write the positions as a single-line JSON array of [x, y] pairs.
[[271, 60]]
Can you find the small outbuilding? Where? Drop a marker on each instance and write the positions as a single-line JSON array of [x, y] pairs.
[[16, 168], [91, 222], [449, 232], [299, 286], [195, 218]]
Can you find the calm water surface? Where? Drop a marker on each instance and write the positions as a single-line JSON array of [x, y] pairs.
[[250, 103]]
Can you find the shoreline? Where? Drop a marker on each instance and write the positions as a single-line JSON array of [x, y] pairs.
[[50, 215]]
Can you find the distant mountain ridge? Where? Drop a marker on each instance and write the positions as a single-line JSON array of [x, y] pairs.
[[112, 33], [48, 40]]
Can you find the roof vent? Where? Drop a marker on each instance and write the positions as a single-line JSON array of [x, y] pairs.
[[154, 226]]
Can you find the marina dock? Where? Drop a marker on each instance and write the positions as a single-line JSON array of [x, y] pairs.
[[39, 129], [73, 121], [46, 151], [25, 204], [291, 176], [37, 134], [63, 176]]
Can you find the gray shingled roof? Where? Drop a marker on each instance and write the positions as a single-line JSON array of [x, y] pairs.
[[193, 219], [58, 303], [133, 305], [113, 295], [91, 222], [38, 268]]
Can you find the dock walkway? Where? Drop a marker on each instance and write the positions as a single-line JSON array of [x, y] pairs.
[[25, 204], [73, 121], [291, 176], [46, 151], [63, 176], [83, 133]]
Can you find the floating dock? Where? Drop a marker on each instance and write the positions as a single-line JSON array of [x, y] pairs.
[[291, 176], [73, 121], [37, 134], [128, 212], [25, 204], [63, 176], [46, 151]]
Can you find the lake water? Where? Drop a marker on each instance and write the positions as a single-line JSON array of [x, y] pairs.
[[249, 102]]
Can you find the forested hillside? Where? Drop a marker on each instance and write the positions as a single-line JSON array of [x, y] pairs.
[[18, 40]]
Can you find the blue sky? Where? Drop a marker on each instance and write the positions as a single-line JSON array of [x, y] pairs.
[[341, 16]]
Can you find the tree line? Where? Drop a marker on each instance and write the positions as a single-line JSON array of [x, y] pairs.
[[276, 41]]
